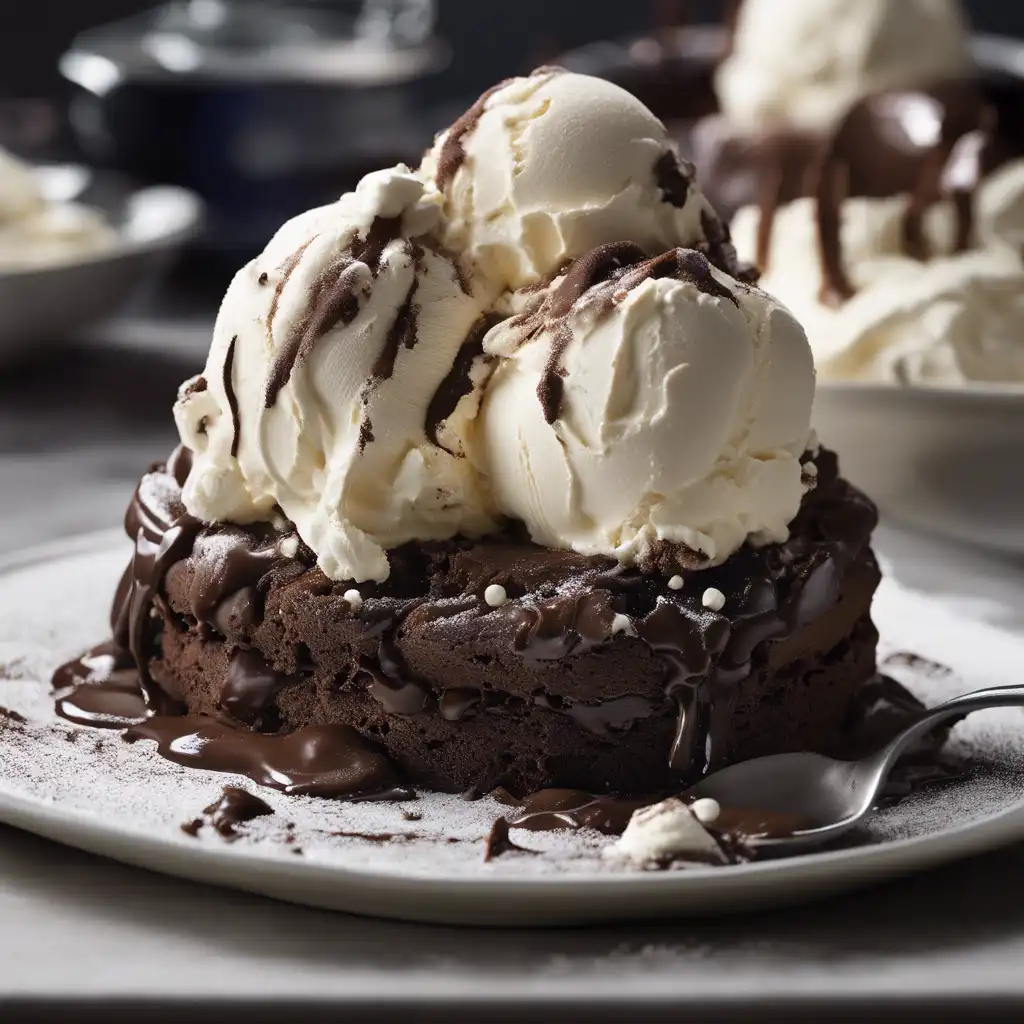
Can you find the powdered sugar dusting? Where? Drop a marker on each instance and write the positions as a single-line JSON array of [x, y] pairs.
[[94, 774]]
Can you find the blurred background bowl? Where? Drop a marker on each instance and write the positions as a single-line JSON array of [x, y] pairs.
[[942, 459], [42, 304]]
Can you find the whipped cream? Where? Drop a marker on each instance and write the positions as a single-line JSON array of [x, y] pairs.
[[805, 62], [34, 232], [423, 358]]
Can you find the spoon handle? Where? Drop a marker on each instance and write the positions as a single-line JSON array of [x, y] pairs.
[[978, 700]]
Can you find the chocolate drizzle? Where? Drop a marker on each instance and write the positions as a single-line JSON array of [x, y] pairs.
[[334, 300], [330, 761], [674, 178], [458, 382], [453, 149], [602, 278], [928, 143], [229, 391], [286, 270], [403, 333]]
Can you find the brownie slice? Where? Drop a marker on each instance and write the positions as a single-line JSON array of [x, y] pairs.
[[590, 676]]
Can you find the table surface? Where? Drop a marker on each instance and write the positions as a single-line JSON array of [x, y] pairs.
[[76, 429]]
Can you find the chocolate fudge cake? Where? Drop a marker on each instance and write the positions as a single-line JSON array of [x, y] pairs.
[[500, 474]]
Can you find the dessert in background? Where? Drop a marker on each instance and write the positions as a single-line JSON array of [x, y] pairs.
[[35, 232], [500, 473], [880, 196]]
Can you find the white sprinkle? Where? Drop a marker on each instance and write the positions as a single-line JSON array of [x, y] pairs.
[[289, 547], [810, 469], [622, 624], [713, 599], [495, 595], [355, 599], [675, 583], [705, 810]]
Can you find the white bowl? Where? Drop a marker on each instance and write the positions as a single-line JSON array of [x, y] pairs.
[[943, 459], [42, 304]]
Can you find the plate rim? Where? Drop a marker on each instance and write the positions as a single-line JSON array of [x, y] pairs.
[[833, 870]]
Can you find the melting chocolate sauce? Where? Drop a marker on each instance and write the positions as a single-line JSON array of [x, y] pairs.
[[331, 761], [100, 688], [235, 807], [250, 686], [551, 809], [744, 823], [499, 841]]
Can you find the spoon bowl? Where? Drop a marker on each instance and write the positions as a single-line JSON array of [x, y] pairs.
[[790, 801]]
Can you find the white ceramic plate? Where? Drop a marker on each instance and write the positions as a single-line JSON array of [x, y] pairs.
[[43, 304], [90, 790], [943, 459]]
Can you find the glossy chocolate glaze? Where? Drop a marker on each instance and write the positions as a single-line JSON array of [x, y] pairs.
[[235, 807], [100, 688], [331, 761]]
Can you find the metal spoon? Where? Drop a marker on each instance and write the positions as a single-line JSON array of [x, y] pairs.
[[800, 800]]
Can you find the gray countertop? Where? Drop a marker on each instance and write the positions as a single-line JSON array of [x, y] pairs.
[[76, 429]]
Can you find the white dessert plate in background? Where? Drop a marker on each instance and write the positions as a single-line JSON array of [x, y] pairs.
[[41, 304], [89, 789], [946, 459]]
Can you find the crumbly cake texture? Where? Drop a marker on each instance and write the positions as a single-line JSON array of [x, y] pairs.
[[588, 676]]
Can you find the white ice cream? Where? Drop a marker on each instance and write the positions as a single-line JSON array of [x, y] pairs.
[[683, 414], [953, 317], [668, 831], [805, 62], [34, 232], [555, 165], [309, 453], [683, 419]]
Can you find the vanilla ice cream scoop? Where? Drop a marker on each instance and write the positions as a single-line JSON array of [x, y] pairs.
[[542, 169], [652, 410], [953, 317], [805, 62], [495, 336], [340, 370]]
